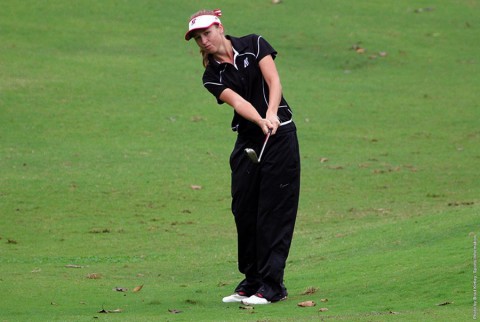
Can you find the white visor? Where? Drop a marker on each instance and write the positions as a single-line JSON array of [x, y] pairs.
[[201, 22]]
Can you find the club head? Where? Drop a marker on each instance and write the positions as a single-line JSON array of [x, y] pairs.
[[252, 155]]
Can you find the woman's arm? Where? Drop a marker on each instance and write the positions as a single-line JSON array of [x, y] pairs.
[[245, 109], [270, 74]]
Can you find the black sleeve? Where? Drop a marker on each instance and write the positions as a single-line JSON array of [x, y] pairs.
[[211, 81], [263, 48]]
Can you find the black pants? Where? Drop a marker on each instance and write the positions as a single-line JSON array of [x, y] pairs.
[[264, 203]]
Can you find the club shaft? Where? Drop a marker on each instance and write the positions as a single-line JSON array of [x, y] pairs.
[[264, 145]]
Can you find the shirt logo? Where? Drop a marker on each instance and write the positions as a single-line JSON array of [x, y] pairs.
[[246, 63]]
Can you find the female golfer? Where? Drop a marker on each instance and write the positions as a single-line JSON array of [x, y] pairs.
[[241, 72]]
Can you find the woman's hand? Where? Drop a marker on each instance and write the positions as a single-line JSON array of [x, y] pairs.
[[273, 121], [267, 125]]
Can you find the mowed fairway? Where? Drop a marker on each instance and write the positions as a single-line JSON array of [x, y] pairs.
[[114, 161]]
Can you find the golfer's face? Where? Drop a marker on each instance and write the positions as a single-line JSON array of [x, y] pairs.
[[209, 39]]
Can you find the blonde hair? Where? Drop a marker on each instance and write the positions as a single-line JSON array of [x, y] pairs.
[[204, 12]]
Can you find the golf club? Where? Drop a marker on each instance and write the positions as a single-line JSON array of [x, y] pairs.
[[253, 155]]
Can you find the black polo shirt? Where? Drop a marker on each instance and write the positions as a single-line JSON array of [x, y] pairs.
[[245, 78]]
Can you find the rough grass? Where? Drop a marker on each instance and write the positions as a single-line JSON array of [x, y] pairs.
[[105, 128]]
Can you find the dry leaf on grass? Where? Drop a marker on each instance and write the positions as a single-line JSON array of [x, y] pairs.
[[246, 307], [94, 276], [310, 290], [120, 289], [110, 311], [444, 303], [174, 311], [73, 266], [307, 304], [137, 288]]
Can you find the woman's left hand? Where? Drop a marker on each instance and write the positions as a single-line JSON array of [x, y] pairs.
[[274, 123]]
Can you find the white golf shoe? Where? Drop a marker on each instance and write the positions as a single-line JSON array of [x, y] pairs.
[[234, 298], [255, 300]]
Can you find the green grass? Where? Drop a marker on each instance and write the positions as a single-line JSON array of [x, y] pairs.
[[105, 126]]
